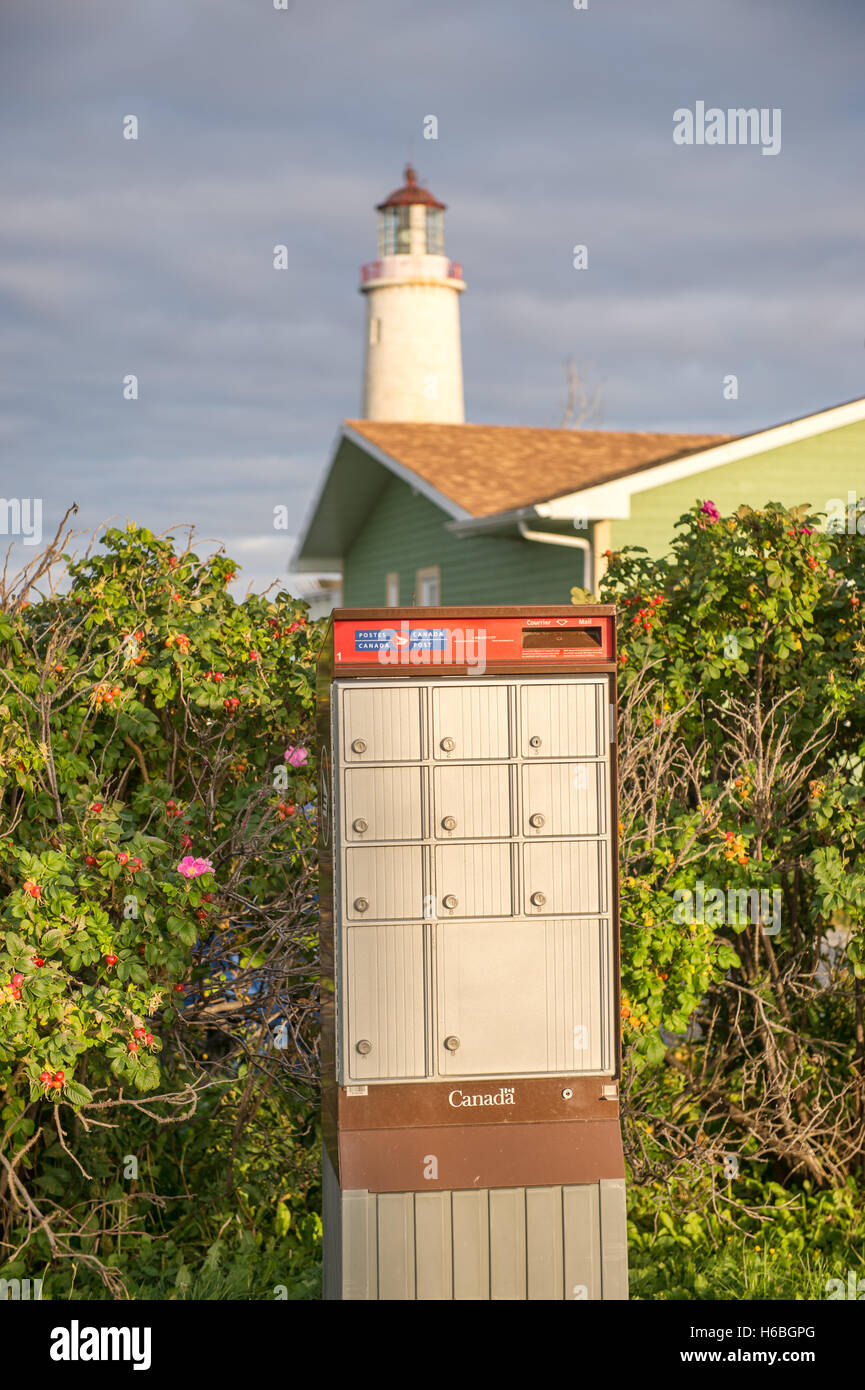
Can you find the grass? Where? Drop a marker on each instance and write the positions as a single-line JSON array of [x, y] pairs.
[[681, 1246], [796, 1240], [738, 1271]]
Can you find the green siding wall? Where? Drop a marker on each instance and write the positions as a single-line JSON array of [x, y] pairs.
[[405, 532], [811, 471]]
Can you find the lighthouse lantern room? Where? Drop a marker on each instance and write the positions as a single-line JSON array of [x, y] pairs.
[[413, 362]]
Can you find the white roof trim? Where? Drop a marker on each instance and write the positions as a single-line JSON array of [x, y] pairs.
[[613, 500], [496, 521]]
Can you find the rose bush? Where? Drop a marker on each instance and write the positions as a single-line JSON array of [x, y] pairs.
[[158, 915], [742, 684]]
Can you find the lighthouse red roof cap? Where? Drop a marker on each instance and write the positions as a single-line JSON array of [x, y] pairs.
[[410, 193]]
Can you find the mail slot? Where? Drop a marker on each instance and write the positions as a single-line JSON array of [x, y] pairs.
[[469, 918], [579, 639]]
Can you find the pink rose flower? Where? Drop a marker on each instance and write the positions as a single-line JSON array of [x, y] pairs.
[[296, 756], [709, 510], [194, 868]]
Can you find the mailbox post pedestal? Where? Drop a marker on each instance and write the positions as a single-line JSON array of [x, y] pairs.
[[476, 1243], [469, 915]]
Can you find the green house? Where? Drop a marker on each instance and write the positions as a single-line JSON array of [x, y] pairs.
[[460, 514]]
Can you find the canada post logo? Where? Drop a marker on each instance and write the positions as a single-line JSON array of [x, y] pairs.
[[404, 645], [503, 1096], [387, 639]]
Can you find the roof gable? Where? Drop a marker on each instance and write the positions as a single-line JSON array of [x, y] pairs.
[[358, 473]]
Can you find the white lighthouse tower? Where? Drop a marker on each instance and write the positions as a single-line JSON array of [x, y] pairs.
[[413, 363]]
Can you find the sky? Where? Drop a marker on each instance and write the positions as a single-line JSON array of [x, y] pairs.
[[260, 126]]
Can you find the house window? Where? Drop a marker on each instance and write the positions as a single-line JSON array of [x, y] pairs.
[[428, 587], [391, 590]]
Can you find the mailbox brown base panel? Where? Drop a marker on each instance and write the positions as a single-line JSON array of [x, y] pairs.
[[505, 1243], [398, 1160]]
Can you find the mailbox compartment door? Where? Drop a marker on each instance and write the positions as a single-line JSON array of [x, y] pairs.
[[565, 719], [381, 724], [562, 878], [478, 877], [564, 799], [383, 803], [471, 721], [476, 798], [521, 997], [384, 973], [384, 883]]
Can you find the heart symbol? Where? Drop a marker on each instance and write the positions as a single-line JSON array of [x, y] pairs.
[[562, 622]]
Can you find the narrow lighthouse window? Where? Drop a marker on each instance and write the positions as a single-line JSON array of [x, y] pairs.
[[394, 231], [403, 231], [435, 232], [387, 232]]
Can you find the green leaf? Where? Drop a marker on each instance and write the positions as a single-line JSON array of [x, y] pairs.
[[76, 1093]]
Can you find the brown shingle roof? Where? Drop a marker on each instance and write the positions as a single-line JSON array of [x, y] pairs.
[[497, 468]]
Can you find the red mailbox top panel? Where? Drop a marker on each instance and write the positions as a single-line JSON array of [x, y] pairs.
[[461, 637]]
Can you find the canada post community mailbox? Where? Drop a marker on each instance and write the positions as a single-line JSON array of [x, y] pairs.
[[470, 982]]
